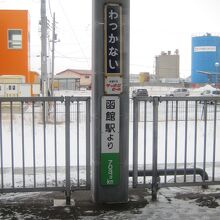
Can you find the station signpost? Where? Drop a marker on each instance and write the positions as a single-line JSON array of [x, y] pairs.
[[110, 99]]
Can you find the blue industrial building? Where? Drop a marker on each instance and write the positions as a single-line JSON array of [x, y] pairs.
[[205, 59]]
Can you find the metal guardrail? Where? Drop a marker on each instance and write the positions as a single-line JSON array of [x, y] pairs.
[[40, 147], [181, 109], [45, 143], [168, 145]]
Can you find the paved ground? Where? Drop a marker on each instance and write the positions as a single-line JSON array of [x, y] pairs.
[[40, 205], [173, 203]]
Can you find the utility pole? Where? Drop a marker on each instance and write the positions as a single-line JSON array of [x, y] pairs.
[[44, 74], [54, 38]]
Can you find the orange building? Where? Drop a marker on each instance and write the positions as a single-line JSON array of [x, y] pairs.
[[14, 44]]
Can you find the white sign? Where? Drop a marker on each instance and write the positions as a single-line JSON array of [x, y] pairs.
[[110, 124], [205, 49], [113, 85]]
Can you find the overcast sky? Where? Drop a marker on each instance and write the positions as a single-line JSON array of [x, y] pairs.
[[156, 25]]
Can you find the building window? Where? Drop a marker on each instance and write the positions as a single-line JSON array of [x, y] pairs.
[[87, 77], [14, 39], [9, 87]]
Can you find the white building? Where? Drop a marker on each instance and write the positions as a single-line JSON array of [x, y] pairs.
[[167, 65]]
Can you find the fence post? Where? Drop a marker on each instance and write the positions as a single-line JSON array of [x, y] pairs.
[[88, 179], [172, 111], [155, 142], [135, 141], [67, 146]]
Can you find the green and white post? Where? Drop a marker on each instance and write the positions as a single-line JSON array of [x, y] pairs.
[[110, 100]]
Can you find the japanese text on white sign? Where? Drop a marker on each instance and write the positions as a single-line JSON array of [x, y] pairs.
[[110, 124]]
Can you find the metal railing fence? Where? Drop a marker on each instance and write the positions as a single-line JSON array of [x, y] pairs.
[[181, 110], [175, 142], [44, 144]]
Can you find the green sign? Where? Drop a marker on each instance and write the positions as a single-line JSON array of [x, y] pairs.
[[110, 169]]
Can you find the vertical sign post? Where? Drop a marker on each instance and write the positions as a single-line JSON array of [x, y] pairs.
[[110, 107], [110, 101]]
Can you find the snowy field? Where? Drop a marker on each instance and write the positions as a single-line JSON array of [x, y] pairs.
[[40, 148], [152, 91], [45, 150]]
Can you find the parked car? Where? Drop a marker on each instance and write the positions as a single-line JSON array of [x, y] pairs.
[[179, 92], [140, 93], [210, 93]]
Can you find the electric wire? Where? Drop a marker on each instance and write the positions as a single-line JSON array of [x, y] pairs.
[[71, 28], [49, 6], [77, 59]]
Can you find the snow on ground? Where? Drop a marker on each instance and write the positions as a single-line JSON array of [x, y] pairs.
[[50, 158], [171, 206], [183, 203], [152, 91]]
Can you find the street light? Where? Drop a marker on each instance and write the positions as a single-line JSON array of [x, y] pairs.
[[216, 79]]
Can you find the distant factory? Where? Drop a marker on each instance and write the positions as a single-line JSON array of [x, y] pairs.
[[205, 64], [167, 65], [166, 70]]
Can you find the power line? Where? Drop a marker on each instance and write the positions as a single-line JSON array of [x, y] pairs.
[[78, 59], [70, 26], [50, 9]]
